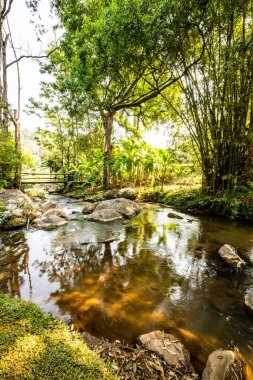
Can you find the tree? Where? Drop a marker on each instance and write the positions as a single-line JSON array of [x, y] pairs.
[[218, 96], [118, 55]]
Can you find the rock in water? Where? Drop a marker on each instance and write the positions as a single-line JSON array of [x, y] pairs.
[[88, 208], [103, 216], [15, 223], [229, 255], [223, 365], [56, 212], [125, 207], [248, 301], [169, 348], [173, 215], [49, 205], [49, 222]]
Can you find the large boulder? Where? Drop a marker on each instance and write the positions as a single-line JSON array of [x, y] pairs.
[[125, 207], [49, 222], [231, 258], [49, 205], [9, 197], [248, 301], [169, 348], [127, 193], [56, 212], [104, 216], [223, 365]]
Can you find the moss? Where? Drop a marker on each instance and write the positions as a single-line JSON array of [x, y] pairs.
[[14, 223], [34, 192], [35, 346]]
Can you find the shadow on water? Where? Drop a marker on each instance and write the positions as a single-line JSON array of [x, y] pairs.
[[159, 272]]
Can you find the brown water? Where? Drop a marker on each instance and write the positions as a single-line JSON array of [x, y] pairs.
[[159, 272]]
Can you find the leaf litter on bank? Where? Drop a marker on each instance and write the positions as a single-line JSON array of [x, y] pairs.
[[135, 363]]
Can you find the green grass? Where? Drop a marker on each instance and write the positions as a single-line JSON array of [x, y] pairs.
[[34, 346]]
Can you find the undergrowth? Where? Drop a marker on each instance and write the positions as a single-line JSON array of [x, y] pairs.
[[234, 205]]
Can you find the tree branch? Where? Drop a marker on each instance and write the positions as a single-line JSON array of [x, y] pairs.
[[155, 92], [30, 56]]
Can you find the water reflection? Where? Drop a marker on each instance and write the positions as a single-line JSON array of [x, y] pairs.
[[14, 262], [159, 272]]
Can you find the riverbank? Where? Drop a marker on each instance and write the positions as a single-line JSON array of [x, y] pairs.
[[33, 345], [237, 205]]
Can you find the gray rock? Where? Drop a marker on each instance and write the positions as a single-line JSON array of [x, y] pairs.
[[127, 193], [223, 365], [49, 222], [125, 207], [88, 208], [49, 205], [55, 212], [231, 258], [103, 216], [248, 301], [13, 196], [111, 194], [169, 348]]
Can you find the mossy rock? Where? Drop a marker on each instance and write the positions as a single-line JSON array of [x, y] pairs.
[[14, 223]]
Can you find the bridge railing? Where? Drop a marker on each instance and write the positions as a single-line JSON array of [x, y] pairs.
[[44, 178]]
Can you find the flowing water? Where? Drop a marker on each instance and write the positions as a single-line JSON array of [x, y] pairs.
[[120, 280]]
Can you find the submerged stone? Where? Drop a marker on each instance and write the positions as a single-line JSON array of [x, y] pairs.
[[231, 258], [173, 215], [223, 365]]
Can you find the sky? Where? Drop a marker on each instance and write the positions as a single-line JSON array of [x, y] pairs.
[[22, 23], [25, 41]]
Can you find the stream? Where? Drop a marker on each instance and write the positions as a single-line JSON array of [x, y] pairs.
[[154, 272]]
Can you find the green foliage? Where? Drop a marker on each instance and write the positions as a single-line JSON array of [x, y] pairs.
[[9, 159], [235, 205], [34, 346]]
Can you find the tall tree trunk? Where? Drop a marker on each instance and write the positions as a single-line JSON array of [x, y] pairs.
[[1, 65], [5, 87], [17, 179], [108, 125]]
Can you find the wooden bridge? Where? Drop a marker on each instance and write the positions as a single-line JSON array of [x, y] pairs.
[[46, 178]]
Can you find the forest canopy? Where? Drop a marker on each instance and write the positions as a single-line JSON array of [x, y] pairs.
[[127, 66]]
